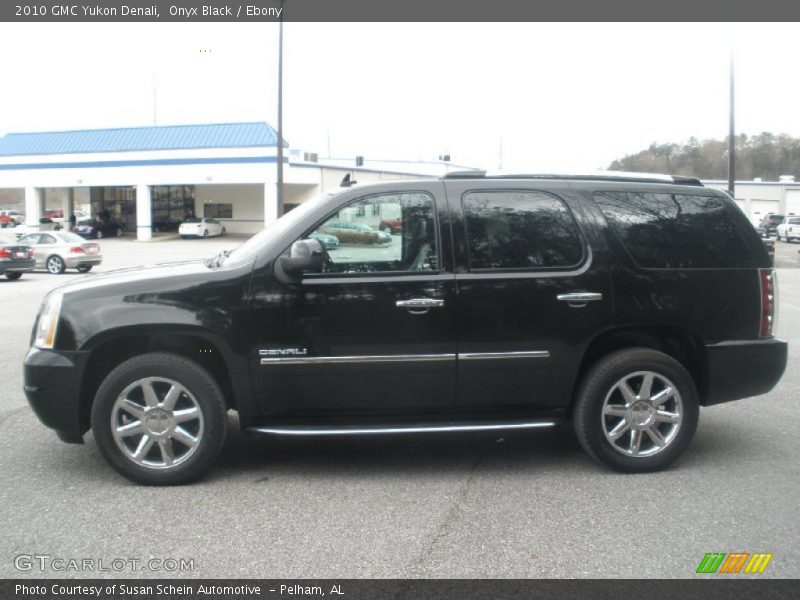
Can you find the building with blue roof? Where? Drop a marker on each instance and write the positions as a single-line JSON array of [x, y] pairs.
[[149, 179]]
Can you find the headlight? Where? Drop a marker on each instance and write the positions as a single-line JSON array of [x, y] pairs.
[[48, 322]]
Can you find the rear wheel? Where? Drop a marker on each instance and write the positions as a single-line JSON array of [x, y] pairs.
[[55, 265], [636, 410], [159, 419], [13, 276], [98, 234]]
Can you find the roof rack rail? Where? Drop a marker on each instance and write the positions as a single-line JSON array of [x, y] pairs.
[[620, 176], [467, 174]]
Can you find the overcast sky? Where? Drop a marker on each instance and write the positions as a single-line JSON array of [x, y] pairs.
[[561, 97]]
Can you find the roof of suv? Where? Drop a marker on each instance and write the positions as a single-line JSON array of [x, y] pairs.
[[597, 176]]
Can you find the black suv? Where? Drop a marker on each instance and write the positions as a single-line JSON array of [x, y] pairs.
[[619, 303]]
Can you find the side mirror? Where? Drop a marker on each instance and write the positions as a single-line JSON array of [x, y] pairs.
[[304, 256]]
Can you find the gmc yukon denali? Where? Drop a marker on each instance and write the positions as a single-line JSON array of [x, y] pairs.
[[618, 303]]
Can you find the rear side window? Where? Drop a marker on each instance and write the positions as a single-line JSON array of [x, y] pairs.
[[675, 231], [520, 230]]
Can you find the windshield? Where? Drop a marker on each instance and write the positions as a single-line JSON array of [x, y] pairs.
[[195, 220], [248, 251]]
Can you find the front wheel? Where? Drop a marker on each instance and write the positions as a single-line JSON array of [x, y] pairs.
[[636, 410], [159, 419], [222, 232], [98, 234], [13, 276]]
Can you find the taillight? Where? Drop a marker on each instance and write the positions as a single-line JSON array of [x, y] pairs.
[[769, 302], [4, 253], [77, 250], [31, 252]]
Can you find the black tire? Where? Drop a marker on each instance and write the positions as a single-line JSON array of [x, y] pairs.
[[13, 276], [119, 232], [84, 268], [99, 234], [590, 424], [205, 233], [222, 232], [55, 265], [206, 395]]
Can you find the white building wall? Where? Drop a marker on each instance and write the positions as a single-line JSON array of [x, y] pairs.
[[247, 201]]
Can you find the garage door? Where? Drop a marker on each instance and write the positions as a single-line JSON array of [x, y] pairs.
[[793, 202], [761, 208]]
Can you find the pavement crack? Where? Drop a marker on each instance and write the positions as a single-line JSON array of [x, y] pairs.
[[449, 517]]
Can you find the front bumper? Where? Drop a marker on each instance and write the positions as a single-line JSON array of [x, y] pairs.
[[53, 382], [741, 369]]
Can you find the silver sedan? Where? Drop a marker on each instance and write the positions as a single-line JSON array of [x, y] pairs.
[[57, 251]]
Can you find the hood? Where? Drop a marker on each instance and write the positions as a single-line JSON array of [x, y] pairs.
[[159, 275]]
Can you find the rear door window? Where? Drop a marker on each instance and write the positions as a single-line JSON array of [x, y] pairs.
[[675, 231], [520, 230]]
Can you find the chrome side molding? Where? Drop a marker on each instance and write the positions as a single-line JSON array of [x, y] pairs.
[[308, 430], [390, 358], [502, 355], [333, 360]]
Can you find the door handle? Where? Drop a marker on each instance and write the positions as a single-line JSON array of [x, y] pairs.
[[419, 306], [578, 299]]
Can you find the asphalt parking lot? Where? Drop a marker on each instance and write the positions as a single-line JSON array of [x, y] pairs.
[[457, 506]]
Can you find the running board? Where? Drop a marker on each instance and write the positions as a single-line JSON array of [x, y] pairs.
[[415, 428]]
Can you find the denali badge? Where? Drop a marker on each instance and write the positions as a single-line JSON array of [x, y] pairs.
[[284, 352]]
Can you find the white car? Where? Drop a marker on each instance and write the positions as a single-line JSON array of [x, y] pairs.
[[44, 224], [196, 227], [790, 229]]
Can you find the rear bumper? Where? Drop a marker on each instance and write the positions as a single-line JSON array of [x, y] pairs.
[[16, 266], [73, 262], [740, 369], [52, 386]]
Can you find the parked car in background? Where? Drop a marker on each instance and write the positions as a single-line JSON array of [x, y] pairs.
[[11, 218], [770, 245], [54, 213], [769, 224], [57, 251], [789, 229], [391, 226], [16, 259], [200, 227], [99, 229], [44, 224], [355, 233], [329, 242]]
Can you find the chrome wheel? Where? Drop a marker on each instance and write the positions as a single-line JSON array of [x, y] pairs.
[[642, 414], [55, 265], [157, 423]]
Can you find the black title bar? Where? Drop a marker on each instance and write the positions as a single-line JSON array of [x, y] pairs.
[[398, 10], [711, 588]]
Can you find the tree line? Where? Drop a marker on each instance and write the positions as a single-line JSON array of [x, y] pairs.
[[765, 155]]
